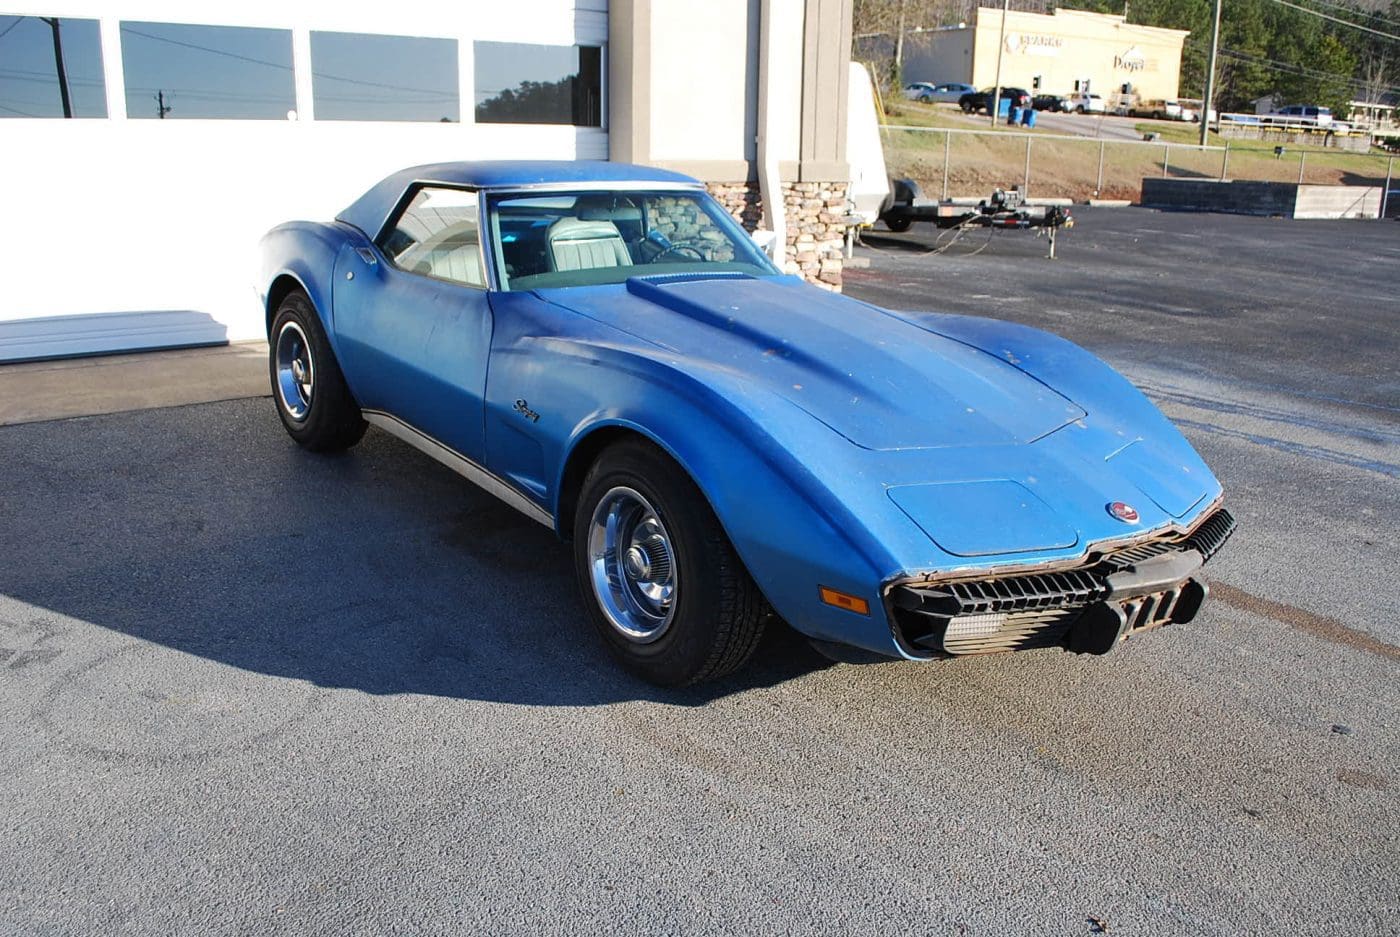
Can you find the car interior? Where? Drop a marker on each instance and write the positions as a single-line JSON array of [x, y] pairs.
[[603, 237]]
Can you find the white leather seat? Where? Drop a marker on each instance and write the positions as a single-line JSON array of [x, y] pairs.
[[457, 258], [575, 244]]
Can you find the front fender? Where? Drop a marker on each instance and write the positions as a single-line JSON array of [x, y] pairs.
[[793, 532]]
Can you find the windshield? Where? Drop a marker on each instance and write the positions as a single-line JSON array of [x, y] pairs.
[[590, 238]]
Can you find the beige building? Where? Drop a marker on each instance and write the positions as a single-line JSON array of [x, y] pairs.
[[1058, 53]]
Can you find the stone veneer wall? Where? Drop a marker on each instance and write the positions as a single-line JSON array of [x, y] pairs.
[[815, 233]]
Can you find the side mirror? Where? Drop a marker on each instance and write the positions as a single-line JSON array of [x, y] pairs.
[[766, 240]]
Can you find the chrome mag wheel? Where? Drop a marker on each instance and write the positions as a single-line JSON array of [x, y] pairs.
[[296, 371], [632, 565]]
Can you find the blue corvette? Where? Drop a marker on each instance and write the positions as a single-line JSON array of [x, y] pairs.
[[602, 347]]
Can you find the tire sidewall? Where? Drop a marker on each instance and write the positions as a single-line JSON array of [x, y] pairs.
[[688, 642], [320, 420]]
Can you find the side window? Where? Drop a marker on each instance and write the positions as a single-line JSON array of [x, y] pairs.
[[437, 235]]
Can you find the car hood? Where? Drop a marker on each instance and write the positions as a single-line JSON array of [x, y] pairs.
[[880, 381]]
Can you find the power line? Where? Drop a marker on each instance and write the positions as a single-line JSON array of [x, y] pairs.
[[1334, 19], [18, 20], [191, 45], [1357, 12], [15, 110], [1288, 68]]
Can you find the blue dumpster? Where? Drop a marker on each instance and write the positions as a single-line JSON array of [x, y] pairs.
[[1028, 117], [1003, 105], [1015, 117]]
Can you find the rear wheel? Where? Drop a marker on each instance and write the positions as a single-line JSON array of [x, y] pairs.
[[312, 398], [661, 582], [896, 223]]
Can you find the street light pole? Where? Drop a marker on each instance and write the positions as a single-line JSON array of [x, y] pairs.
[[994, 105], [1210, 72]]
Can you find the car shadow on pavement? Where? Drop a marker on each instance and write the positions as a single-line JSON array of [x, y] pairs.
[[204, 529]]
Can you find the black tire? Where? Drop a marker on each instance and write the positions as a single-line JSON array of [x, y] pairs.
[[327, 419], [896, 223], [718, 615], [925, 99]]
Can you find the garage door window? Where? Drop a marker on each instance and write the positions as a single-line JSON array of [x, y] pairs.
[[181, 72], [518, 83], [355, 76], [50, 67]]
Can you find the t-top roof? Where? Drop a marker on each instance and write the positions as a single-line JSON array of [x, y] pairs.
[[369, 211]]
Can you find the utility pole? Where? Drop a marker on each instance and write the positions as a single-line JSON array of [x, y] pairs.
[[161, 107], [1210, 73], [994, 105], [58, 64], [899, 50]]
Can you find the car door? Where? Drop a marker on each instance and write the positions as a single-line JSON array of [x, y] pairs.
[[412, 319]]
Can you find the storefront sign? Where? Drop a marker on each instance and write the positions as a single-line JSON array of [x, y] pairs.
[[1033, 44], [1130, 61]]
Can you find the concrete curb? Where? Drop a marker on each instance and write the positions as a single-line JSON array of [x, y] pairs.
[[1109, 203]]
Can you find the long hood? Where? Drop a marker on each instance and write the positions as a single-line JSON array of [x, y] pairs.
[[880, 381]]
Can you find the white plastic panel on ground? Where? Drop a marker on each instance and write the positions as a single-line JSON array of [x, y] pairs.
[[136, 217]]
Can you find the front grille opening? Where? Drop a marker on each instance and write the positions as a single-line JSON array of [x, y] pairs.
[[1019, 612]]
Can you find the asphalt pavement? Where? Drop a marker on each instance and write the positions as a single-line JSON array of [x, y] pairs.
[[249, 690]]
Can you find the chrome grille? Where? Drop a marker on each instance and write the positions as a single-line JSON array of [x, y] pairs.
[[1037, 609]]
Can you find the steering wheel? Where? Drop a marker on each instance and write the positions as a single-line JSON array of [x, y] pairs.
[[680, 250]]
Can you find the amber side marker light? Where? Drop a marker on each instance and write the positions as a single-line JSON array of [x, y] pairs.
[[851, 603]]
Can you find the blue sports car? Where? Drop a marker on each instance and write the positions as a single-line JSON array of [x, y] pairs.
[[603, 347]]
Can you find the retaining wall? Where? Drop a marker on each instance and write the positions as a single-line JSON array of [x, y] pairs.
[[1285, 199]]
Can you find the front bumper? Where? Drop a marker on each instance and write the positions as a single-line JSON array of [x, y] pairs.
[[1088, 608]]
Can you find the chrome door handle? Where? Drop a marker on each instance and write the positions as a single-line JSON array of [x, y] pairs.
[[366, 255]]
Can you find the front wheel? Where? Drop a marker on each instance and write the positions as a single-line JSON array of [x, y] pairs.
[[661, 582], [312, 398]]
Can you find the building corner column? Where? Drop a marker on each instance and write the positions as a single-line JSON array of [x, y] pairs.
[[629, 81]]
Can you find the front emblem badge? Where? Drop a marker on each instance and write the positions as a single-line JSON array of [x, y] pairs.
[[1123, 511]]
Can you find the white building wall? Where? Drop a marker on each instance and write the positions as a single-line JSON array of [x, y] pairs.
[[117, 215], [704, 63]]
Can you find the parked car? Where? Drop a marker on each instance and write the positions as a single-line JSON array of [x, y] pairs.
[[928, 93], [1050, 102], [603, 348], [1306, 113], [1160, 109], [921, 91], [1082, 102], [1194, 107], [977, 101]]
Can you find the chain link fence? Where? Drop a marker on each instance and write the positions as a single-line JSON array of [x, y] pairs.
[[955, 163]]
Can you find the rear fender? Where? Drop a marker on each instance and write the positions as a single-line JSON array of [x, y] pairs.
[[306, 252]]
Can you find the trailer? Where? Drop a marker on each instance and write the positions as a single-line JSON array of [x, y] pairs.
[[1005, 209]]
